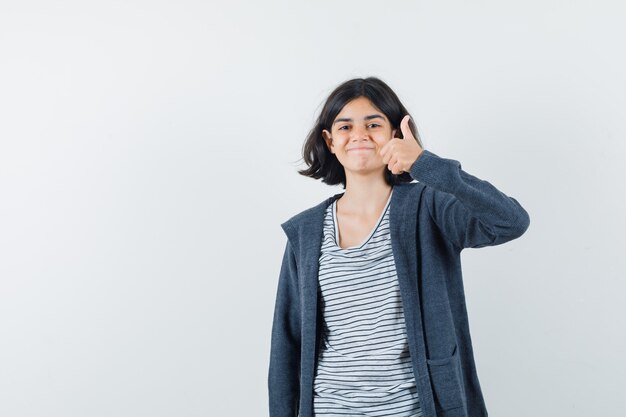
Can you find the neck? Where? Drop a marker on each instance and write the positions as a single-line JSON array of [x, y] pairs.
[[365, 194]]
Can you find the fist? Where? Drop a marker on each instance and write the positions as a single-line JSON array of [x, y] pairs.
[[400, 154]]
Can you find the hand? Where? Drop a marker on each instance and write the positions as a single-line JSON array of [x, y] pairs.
[[400, 154]]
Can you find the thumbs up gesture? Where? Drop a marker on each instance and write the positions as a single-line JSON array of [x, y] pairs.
[[400, 154]]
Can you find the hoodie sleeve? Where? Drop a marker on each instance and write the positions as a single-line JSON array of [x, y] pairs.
[[284, 367], [470, 212]]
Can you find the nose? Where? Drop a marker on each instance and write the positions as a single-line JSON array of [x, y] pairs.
[[358, 133]]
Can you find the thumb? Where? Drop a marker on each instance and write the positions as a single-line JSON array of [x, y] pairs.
[[404, 126]]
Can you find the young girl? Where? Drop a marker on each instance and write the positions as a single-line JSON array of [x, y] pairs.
[[370, 316]]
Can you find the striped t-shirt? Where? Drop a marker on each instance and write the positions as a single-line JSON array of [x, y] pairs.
[[364, 365]]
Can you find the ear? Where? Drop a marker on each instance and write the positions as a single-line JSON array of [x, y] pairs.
[[328, 139]]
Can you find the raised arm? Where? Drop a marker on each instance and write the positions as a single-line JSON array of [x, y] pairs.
[[284, 369], [470, 212]]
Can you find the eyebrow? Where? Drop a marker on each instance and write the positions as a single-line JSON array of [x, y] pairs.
[[371, 116]]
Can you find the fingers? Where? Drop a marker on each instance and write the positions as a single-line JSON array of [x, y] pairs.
[[393, 165]]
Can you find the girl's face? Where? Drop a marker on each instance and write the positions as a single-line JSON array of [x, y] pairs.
[[357, 134]]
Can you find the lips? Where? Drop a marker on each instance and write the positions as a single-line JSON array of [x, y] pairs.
[[359, 149]]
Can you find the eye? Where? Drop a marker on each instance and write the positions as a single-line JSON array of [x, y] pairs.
[[347, 126]]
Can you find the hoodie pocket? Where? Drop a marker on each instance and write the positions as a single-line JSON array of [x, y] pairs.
[[445, 379]]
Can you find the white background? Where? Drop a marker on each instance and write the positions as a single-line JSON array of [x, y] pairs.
[[148, 154]]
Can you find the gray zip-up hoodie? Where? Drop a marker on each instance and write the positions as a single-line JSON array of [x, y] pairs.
[[430, 222]]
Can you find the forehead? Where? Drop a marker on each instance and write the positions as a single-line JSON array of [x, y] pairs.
[[358, 108]]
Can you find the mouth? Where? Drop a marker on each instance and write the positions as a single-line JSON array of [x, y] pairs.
[[360, 149]]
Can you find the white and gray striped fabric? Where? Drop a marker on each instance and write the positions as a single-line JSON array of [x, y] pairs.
[[364, 366]]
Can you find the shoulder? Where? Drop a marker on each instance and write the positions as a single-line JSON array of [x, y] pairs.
[[310, 219], [307, 218], [407, 194]]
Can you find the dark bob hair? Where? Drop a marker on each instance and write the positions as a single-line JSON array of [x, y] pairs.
[[324, 164]]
